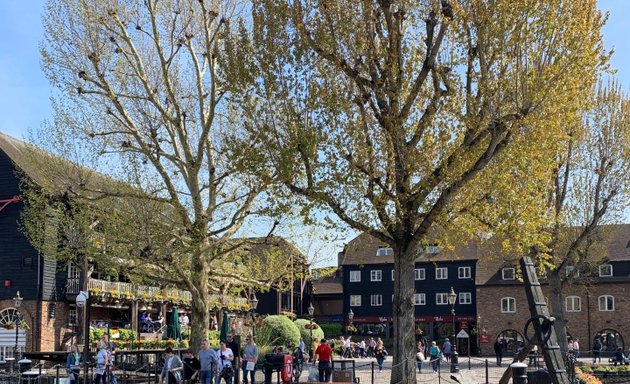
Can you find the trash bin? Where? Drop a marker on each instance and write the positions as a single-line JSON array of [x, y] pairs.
[[25, 365], [343, 371]]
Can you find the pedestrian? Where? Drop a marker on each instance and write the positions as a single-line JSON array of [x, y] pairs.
[[380, 353], [191, 366], [111, 351], [324, 353], [250, 356], [576, 347], [101, 363], [226, 357], [498, 350], [434, 354], [208, 362], [314, 348], [347, 348], [419, 355], [172, 369], [447, 349], [597, 351], [236, 350], [371, 346], [73, 364]]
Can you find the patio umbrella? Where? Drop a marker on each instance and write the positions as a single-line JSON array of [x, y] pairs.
[[174, 327], [225, 327]]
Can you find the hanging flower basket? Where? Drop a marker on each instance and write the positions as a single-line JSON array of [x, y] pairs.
[[8, 325]]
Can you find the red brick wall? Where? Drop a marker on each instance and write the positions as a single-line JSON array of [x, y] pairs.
[[583, 325]]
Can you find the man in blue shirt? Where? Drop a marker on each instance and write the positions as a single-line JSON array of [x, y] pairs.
[[208, 361]]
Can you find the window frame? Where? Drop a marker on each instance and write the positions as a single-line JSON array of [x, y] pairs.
[[387, 251], [573, 299], [605, 297], [419, 299], [355, 298], [468, 272], [463, 295], [608, 266], [441, 269], [419, 271], [509, 300], [441, 298], [376, 275], [355, 273], [503, 275], [376, 300]]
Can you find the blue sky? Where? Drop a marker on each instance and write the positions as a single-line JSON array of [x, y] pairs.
[[24, 92]]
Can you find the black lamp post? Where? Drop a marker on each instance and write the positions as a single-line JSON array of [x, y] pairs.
[[452, 297], [311, 311], [253, 302], [16, 322]]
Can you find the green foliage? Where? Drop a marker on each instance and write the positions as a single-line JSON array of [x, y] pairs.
[[332, 330], [302, 325], [279, 330], [213, 339]]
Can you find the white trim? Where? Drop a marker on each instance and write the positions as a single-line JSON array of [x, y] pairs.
[[443, 275], [355, 276], [606, 302], [355, 300], [420, 299], [573, 300], [606, 266], [376, 300], [464, 272], [441, 298], [465, 298], [510, 276], [419, 274], [376, 275], [510, 306]]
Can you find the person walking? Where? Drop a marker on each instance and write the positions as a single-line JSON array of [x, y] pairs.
[[226, 357], [324, 354], [447, 348], [498, 351], [73, 364], [111, 351], [371, 346], [172, 369], [597, 351], [102, 360], [419, 355], [576, 347], [208, 362], [380, 353], [250, 356], [191, 366], [434, 355]]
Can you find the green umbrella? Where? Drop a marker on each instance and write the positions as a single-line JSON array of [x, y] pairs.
[[225, 327], [174, 330]]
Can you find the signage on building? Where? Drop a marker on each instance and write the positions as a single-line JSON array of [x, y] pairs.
[[419, 319]]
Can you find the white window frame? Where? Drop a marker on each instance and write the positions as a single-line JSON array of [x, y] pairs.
[[355, 300], [384, 251], [606, 308], [432, 249], [443, 275], [419, 274], [510, 306], [376, 300], [376, 275], [573, 304], [465, 298], [464, 272], [355, 276], [441, 298], [73, 317], [605, 267], [506, 276], [420, 299]]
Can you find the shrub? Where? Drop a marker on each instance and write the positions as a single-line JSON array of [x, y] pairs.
[[332, 330], [302, 325], [279, 330]]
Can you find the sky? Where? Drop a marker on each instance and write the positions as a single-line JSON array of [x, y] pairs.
[[25, 92]]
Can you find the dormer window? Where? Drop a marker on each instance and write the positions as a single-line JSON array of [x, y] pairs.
[[571, 271], [432, 249], [606, 270], [384, 252], [508, 273]]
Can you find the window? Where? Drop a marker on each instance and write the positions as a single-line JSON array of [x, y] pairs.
[[355, 300], [573, 303], [571, 271], [463, 272], [393, 275], [420, 299], [376, 300], [72, 315], [508, 305], [606, 303], [441, 273], [432, 249], [376, 275], [441, 298], [419, 274], [355, 276], [384, 252], [508, 273], [465, 298], [605, 270]]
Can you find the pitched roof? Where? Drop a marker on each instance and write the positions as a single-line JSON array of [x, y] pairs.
[[363, 250], [331, 284]]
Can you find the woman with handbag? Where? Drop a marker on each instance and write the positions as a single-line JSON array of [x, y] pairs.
[[380, 353], [173, 367], [420, 355], [73, 363], [102, 361]]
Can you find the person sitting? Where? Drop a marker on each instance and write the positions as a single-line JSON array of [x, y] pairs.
[[619, 358], [145, 322]]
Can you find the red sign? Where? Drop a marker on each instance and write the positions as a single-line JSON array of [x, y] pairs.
[[485, 338], [419, 319]]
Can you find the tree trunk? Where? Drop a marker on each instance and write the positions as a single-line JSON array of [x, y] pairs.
[[200, 316], [404, 365], [557, 308]]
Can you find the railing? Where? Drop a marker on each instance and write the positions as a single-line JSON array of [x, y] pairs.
[[73, 285]]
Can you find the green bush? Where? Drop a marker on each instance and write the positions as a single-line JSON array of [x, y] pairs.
[[302, 325], [332, 330], [279, 330]]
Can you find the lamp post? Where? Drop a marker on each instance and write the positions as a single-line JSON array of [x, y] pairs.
[[18, 302], [311, 311], [479, 335], [253, 302], [452, 297]]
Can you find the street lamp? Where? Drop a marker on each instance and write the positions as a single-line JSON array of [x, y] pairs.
[[16, 322], [452, 297], [311, 311], [253, 302]]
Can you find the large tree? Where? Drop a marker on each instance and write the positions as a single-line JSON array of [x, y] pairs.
[[404, 117], [143, 94]]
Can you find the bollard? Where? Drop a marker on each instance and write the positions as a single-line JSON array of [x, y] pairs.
[[56, 374], [469, 363], [372, 372], [487, 373], [519, 373]]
